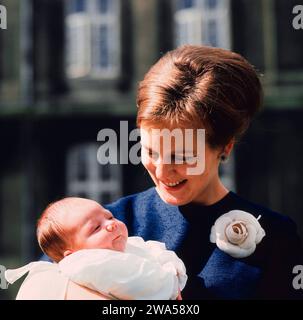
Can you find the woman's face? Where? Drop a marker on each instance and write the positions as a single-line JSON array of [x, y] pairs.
[[173, 182]]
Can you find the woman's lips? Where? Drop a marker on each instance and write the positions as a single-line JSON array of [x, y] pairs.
[[173, 188]]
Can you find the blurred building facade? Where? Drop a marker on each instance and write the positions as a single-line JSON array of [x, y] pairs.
[[69, 68]]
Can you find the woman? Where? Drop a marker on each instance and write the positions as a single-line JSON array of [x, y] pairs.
[[196, 87]]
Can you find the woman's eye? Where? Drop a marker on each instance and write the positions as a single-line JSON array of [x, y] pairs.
[[182, 159], [178, 159], [152, 154]]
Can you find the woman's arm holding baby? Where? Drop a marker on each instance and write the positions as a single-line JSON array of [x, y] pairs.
[[76, 292], [52, 285]]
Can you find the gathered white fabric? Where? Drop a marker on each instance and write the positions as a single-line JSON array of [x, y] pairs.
[[37, 285], [146, 270]]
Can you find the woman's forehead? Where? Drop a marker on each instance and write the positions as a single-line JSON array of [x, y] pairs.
[[176, 140], [170, 125]]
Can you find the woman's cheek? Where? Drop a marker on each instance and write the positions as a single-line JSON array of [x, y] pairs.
[[147, 163], [182, 170]]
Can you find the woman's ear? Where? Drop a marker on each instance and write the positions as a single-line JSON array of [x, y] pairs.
[[67, 253], [228, 148]]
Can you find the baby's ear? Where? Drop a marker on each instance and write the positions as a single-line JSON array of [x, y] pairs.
[[67, 253]]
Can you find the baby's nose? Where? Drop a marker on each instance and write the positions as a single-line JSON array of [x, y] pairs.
[[111, 226]]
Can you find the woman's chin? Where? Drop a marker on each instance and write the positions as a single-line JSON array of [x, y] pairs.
[[175, 200]]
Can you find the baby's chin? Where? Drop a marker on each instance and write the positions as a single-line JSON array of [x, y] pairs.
[[119, 244]]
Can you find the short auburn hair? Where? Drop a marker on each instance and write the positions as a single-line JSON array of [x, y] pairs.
[[202, 87], [51, 235]]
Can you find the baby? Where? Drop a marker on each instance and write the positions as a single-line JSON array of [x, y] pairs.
[[93, 249]]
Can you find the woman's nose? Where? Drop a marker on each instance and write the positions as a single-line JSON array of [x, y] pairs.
[[111, 226], [163, 170]]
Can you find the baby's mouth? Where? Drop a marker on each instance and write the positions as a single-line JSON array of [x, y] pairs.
[[119, 236]]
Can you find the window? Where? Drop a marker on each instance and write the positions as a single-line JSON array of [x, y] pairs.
[[93, 38], [203, 22], [87, 178]]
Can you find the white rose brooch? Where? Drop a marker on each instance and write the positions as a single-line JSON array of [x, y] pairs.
[[237, 233]]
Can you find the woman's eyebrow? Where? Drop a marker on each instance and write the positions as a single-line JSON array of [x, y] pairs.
[[186, 152], [148, 148]]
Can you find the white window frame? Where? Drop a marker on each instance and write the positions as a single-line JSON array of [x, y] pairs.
[[93, 187], [82, 53], [195, 21]]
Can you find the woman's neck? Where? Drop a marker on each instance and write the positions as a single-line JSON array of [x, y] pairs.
[[213, 193]]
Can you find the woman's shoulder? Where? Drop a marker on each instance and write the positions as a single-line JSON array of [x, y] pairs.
[[260, 210], [264, 213], [76, 292], [141, 201], [149, 193]]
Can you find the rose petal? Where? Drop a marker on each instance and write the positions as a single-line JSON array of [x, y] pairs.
[[220, 226], [235, 251], [213, 237], [260, 235], [245, 217], [250, 241], [235, 237], [223, 221]]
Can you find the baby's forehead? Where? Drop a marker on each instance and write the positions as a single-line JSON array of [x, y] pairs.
[[81, 210]]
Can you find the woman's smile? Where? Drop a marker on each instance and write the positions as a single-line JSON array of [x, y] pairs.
[[173, 186]]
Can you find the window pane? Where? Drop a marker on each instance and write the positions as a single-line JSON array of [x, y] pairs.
[[212, 33], [183, 4], [101, 47], [78, 54], [77, 5], [103, 6], [104, 50], [211, 4], [182, 34]]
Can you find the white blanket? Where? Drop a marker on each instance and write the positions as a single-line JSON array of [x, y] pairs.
[[145, 271]]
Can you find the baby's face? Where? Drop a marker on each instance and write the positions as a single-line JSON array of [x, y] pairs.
[[94, 227]]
